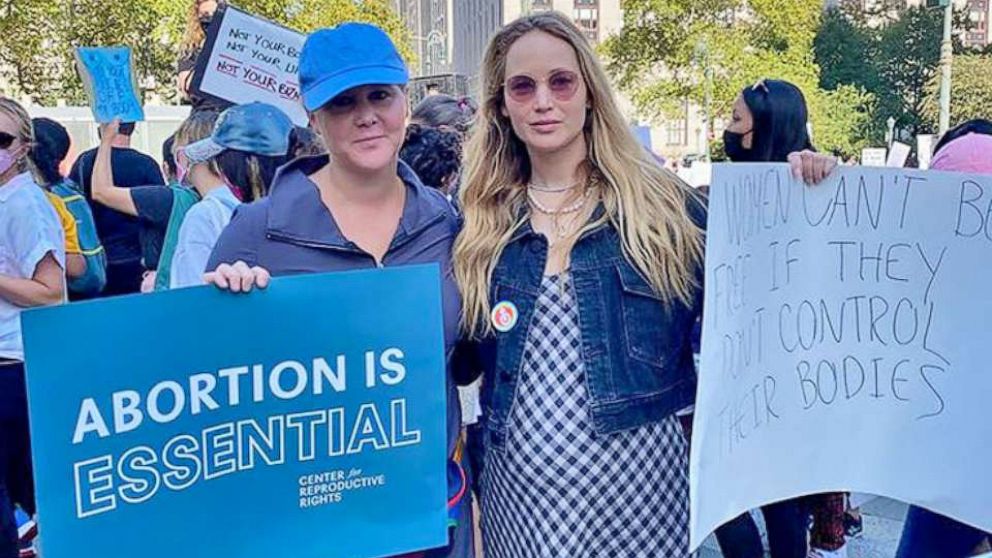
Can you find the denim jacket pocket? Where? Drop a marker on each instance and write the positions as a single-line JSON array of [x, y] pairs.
[[644, 319]]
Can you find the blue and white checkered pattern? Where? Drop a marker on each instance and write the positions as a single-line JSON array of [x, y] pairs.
[[559, 490]]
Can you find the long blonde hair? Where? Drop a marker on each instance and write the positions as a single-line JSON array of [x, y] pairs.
[[646, 204], [197, 126], [193, 36]]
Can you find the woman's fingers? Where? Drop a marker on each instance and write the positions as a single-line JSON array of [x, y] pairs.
[[262, 276], [811, 167], [238, 277]]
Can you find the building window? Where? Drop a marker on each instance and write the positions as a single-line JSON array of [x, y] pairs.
[[677, 129], [587, 18]]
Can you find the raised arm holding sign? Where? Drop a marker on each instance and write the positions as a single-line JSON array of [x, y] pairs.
[[844, 319]]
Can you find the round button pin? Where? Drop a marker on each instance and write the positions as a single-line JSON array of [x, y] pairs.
[[504, 316]]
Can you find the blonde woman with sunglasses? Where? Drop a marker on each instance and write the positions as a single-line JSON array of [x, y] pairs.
[[580, 265]]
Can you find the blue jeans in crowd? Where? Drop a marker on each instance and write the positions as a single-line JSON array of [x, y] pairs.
[[786, 523], [930, 535]]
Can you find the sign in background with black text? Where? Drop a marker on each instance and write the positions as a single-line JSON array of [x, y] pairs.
[[846, 341]]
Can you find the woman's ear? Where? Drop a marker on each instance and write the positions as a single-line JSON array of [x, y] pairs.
[[314, 122]]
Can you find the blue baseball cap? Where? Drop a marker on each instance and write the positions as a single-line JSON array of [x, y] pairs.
[[349, 55], [257, 128]]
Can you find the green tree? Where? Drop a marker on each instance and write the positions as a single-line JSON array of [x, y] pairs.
[[38, 40], [38, 37], [845, 50], [971, 95], [895, 61], [909, 52], [656, 59]]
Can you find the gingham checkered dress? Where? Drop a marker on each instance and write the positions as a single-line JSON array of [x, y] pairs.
[[559, 490]]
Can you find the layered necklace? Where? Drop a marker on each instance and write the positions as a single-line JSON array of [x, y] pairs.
[[562, 225]]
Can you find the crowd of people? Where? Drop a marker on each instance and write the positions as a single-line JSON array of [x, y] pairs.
[[555, 229]]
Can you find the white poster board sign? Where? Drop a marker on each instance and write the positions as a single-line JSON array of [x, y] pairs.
[[846, 319], [873, 156], [898, 155], [924, 149], [252, 59]]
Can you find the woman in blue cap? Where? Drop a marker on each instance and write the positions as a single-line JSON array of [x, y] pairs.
[[358, 207], [237, 163]]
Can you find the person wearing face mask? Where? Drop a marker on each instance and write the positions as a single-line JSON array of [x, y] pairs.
[[769, 125], [155, 207], [926, 534], [201, 15], [32, 273], [237, 163], [356, 207]]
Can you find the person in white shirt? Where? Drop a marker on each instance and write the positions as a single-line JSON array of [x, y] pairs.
[[32, 273]]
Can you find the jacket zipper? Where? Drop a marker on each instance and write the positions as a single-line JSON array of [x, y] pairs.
[[324, 246]]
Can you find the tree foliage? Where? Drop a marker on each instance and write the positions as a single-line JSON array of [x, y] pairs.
[[660, 55], [971, 91], [893, 53], [38, 37]]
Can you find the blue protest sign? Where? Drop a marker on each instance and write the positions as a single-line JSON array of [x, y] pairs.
[[108, 77], [306, 419]]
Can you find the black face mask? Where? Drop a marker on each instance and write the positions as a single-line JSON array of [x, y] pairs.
[[733, 144], [205, 22]]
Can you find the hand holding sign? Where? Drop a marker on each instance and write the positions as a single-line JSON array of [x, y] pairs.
[[238, 278], [110, 131], [810, 166], [108, 77], [333, 422]]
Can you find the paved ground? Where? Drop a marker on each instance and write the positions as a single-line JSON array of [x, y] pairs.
[[883, 526]]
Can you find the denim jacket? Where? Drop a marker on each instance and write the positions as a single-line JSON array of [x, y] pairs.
[[637, 348]]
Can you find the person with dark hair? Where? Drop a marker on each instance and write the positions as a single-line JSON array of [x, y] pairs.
[[236, 164], [977, 126], [152, 205], [119, 232], [434, 154], [169, 162], [445, 111], [51, 146], [769, 122], [770, 125]]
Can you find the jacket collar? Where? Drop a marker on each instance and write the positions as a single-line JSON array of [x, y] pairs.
[[297, 213]]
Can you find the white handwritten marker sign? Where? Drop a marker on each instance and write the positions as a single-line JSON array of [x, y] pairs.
[[247, 58], [847, 338]]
